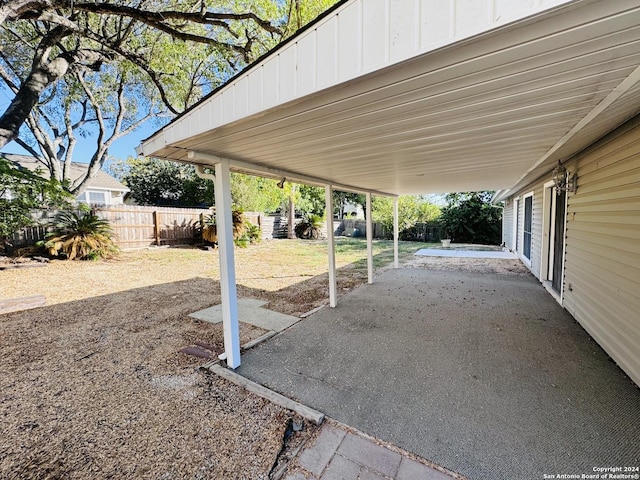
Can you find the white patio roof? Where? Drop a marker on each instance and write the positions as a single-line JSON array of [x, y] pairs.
[[419, 96]]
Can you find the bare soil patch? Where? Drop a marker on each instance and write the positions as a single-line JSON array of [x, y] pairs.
[[96, 388], [93, 385]]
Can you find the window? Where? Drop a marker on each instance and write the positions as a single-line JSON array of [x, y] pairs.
[[528, 217], [93, 197], [97, 197]]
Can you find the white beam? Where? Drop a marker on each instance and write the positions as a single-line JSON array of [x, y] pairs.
[[228, 292], [395, 232], [270, 172], [369, 228], [328, 195]]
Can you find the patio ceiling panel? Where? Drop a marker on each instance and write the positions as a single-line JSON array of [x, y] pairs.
[[617, 114], [489, 112]]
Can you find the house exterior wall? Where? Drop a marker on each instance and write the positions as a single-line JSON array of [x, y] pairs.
[[601, 279], [602, 261], [110, 197]]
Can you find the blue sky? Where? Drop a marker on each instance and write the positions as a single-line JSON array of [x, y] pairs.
[[121, 149]]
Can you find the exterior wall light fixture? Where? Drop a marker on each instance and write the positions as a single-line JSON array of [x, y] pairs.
[[562, 181]]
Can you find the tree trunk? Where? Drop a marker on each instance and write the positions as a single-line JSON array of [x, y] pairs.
[[291, 233], [21, 106], [43, 73]]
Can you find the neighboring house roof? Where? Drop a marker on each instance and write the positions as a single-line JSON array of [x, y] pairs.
[[102, 181]]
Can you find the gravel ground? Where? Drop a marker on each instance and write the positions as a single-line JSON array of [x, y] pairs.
[[93, 385]]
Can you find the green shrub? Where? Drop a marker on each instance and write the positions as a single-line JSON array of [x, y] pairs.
[[470, 217], [253, 232]]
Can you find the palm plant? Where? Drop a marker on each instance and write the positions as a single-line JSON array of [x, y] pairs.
[[210, 229], [81, 237], [310, 227], [254, 233]]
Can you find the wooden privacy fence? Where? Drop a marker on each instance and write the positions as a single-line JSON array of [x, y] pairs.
[[136, 226]]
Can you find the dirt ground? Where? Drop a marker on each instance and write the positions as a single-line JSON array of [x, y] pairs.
[[93, 385]]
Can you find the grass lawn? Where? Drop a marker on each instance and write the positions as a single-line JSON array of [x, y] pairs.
[[269, 266]]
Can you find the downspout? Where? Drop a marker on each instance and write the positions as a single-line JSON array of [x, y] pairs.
[[202, 174]]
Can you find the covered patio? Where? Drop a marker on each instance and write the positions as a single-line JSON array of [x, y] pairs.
[[486, 375], [483, 374], [414, 96]]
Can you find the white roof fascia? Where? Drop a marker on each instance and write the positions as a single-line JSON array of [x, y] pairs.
[[264, 171], [414, 27], [107, 189]]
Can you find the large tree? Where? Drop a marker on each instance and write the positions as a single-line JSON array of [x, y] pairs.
[[99, 69], [471, 217], [161, 182]]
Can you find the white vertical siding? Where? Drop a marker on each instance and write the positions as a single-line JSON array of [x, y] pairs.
[[355, 39], [602, 263], [536, 229]]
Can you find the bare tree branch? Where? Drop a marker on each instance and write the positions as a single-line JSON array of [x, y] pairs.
[[30, 149], [65, 39], [71, 141], [155, 18]]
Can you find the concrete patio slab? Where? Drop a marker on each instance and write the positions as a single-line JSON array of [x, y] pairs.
[[485, 375], [436, 252], [375, 457], [250, 311]]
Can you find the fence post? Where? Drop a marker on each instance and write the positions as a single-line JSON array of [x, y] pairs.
[[156, 227]]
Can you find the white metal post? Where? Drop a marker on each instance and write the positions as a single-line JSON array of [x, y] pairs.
[[224, 222], [328, 195], [369, 228], [395, 232]]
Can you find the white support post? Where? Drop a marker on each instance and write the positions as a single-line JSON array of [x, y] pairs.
[[369, 228], [328, 195], [395, 232], [224, 222]]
